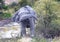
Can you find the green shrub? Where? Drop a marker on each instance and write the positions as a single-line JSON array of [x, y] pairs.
[[5, 7], [6, 15]]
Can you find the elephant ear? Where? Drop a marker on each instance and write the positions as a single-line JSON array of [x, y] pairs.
[[15, 16]]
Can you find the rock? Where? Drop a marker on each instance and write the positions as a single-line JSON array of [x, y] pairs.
[[11, 30], [4, 22]]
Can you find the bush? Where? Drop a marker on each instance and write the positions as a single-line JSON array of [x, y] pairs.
[[53, 30], [5, 7], [5, 15]]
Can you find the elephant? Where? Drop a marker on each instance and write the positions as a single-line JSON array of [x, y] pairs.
[[26, 16]]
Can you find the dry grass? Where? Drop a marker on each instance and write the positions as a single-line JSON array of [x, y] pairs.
[[56, 39]]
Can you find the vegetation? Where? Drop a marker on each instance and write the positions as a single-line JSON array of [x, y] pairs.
[[3, 15], [48, 13]]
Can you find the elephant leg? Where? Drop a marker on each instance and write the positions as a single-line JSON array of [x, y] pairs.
[[32, 27], [23, 29]]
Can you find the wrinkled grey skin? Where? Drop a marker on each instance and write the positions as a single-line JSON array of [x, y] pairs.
[[26, 16]]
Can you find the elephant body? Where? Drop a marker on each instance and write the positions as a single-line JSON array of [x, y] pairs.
[[26, 16]]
